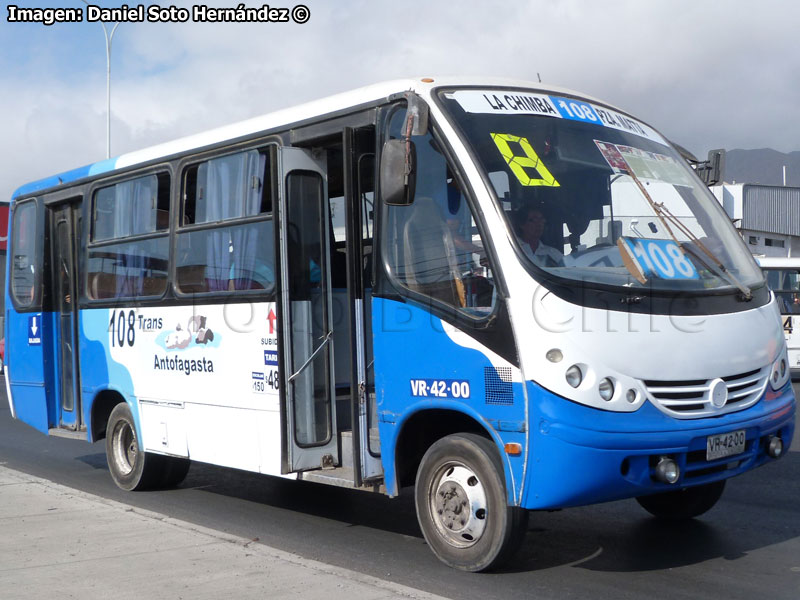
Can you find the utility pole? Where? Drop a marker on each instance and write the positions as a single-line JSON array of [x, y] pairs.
[[109, 39]]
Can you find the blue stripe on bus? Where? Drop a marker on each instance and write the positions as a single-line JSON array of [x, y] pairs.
[[97, 168], [99, 371], [37, 391]]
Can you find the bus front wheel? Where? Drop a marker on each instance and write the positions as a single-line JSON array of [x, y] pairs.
[[462, 506], [131, 467], [683, 504]]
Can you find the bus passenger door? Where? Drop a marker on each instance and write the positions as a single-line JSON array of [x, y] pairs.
[[306, 334], [359, 165], [63, 264]]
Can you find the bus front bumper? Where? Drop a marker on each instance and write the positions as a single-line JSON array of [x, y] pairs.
[[580, 455]]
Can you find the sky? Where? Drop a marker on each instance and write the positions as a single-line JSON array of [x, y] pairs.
[[706, 73]]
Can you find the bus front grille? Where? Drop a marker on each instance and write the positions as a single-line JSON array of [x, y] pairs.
[[692, 398]]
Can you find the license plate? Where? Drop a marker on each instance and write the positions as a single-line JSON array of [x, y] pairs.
[[725, 444]]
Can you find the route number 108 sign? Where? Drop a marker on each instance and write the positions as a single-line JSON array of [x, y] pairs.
[[660, 258]]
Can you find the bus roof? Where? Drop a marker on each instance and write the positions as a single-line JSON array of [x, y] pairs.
[[294, 114], [778, 262]]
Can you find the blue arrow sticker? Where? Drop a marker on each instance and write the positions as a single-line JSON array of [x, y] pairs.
[[35, 330]]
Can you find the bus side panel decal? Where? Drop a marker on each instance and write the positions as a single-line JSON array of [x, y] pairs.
[[204, 378]]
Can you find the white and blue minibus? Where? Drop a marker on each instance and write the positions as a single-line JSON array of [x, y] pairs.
[[509, 296]]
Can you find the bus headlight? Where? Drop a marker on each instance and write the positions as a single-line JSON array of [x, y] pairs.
[[606, 389], [574, 376], [780, 372]]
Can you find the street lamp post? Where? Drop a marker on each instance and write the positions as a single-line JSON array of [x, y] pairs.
[[109, 38]]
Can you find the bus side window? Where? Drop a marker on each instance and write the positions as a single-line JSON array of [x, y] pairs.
[[220, 254], [785, 284], [25, 262], [118, 267], [774, 279], [433, 247]]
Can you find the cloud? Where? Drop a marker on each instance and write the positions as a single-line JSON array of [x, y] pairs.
[[707, 74]]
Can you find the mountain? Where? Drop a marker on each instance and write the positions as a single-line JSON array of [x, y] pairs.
[[763, 166]]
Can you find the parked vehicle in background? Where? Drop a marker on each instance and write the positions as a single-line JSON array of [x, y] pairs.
[[783, 278]]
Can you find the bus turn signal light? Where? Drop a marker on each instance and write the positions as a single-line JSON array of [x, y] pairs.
[[513, 449]]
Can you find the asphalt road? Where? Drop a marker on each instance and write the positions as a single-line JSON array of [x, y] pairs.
[[747, 547]]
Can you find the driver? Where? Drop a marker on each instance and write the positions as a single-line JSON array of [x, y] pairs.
[[529, 223]]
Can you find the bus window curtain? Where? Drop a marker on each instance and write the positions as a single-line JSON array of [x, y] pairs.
[[213, 206], [230, 187], [244, 240], [135, 214]]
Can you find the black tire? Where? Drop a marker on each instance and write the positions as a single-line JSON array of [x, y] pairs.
[[683, 504], [131, 468], [173, 471], [458, 472]]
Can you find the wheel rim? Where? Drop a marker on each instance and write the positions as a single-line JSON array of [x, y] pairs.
[[125, 448], [457, 501]]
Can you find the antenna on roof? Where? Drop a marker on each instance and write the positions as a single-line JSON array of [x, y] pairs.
[[539, 76]]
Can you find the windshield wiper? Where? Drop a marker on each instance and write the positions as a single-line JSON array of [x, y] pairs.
[[666, 217], [718, 269]]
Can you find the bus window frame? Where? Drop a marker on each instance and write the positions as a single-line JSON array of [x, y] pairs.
[[385, 282], [36, 303], [88, 234], [155, 172], [325, 285], [269, 147]]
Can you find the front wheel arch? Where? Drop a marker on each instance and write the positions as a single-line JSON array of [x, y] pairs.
[[424, 428]]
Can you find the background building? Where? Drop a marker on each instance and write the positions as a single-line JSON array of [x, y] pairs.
[[767, 216]]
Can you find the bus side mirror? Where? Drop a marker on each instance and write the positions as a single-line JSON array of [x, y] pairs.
[[712, 171], [716, 170], [398, 176]]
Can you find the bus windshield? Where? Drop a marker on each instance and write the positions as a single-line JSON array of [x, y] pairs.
[[785, 282], [593, 195]]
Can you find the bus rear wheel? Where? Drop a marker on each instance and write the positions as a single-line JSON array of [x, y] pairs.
[[683, 504], [173, 470], [131, 467], [462, 506]]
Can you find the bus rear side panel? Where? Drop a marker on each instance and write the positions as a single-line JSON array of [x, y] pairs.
[[30, 337]]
